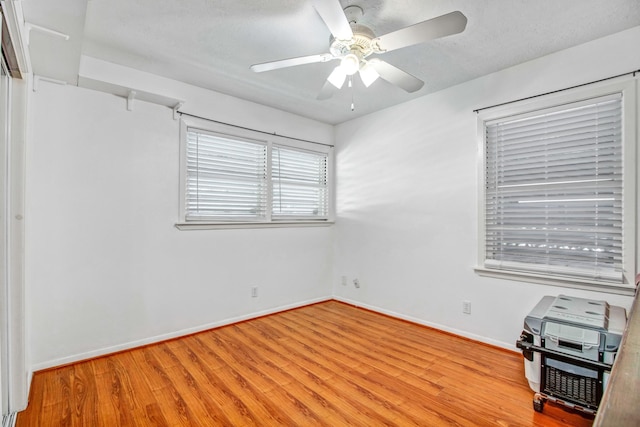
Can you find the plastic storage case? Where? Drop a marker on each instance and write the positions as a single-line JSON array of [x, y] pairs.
[[569, 345]]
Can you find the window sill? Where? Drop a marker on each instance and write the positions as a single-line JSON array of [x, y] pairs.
[[587, 285], [185, 226]]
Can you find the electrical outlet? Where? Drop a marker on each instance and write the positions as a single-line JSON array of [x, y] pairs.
[[254, 292], [466, 307], [356, 283], [344, 280]]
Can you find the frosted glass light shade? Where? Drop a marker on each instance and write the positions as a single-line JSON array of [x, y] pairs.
[[350, 64], [337, 77], [368, 74]]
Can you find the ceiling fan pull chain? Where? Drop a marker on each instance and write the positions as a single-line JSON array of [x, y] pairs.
[[352, 91]]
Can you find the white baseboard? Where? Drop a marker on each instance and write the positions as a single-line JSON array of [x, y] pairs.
[[164, 337], [176, 334], [418, 321]]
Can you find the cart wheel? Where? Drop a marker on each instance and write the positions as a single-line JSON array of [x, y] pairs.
[[538, 404]]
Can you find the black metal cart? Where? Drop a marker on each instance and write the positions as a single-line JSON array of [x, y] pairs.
[[559, 381]]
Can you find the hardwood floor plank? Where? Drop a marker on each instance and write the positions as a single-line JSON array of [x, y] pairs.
[[241, 393], [286, 388], [222, 402], [85, 399], [362, 381], [154, 415], [315, 388], [114, 409], [362, 343], [163, 385], [327, 381], [190, 389], [327, 364]]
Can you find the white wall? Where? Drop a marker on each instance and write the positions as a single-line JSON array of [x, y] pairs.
[[106, 268], [407, 199]]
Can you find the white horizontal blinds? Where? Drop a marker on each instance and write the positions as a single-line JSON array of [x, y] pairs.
[[300, 187], [226, 178], [554, 191]]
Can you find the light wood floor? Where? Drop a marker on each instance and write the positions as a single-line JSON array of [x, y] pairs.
[[326, 364]]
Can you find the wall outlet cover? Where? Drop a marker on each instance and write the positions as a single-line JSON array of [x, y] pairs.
[[466, 307]]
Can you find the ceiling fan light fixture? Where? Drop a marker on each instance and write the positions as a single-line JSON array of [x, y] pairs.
[[368, 74], [350, 64], [337, 77]]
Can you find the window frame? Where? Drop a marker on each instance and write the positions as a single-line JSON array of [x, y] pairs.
[[245, 134], [282, 180], [627, 86]]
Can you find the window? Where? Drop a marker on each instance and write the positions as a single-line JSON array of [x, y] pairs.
[[299, 180], [558, 200], [226, 178], [245, 177]]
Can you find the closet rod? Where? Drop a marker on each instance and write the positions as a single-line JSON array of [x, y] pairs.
[[182, 113]]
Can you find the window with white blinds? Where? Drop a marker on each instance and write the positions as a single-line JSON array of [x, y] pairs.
[[554, 191], [300, 185], [238, 179], [226, 178]]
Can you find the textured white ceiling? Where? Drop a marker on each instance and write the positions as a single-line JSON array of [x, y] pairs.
[[212, 43]]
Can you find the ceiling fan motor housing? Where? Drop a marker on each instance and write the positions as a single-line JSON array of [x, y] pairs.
[[361, 44]]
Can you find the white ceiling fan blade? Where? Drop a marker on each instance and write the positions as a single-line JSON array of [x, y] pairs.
[[445, 25], [291, 62], [396, 76], [333, 16]]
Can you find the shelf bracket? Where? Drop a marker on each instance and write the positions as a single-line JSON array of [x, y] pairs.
[[175, 110], [130, 98]]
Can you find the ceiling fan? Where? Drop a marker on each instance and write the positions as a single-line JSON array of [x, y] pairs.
[[353, 43]]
